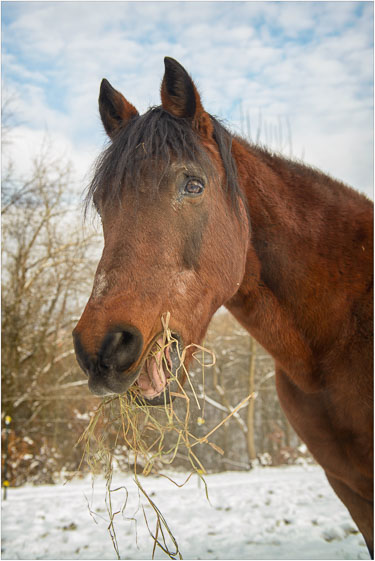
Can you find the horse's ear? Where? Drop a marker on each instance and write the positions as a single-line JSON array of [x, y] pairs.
[[180, 97], [115, 110]]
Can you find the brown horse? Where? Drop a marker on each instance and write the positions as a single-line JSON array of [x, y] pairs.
[[194, 218]]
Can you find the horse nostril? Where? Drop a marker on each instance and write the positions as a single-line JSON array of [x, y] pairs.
[[121, 348]]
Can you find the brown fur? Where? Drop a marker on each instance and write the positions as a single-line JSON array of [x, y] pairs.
[[297, 274]]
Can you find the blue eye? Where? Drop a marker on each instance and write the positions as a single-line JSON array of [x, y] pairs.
[[193, 187]]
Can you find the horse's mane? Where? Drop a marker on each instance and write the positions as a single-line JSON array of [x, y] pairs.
[[150, 143], [297, 172]]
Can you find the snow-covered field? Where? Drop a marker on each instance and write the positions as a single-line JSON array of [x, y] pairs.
[[269, 513]]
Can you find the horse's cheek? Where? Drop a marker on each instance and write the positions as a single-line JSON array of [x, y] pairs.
[[224, 257]]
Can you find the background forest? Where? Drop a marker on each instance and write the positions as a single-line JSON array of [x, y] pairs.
[[48, 264]]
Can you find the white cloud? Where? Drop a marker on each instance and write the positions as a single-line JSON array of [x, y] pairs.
[[25, 145], [309, 62]]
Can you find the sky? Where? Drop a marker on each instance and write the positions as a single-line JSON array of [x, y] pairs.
[[297, 76]]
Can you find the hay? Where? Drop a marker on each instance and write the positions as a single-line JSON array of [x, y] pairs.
[[126, 420]]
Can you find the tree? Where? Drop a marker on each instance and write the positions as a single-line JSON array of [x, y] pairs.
[[47, 271], [250, 407]]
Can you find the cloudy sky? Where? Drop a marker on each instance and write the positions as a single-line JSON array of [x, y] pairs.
[[298, 73]]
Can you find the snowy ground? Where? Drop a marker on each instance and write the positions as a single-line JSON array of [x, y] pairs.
[[269, 513]]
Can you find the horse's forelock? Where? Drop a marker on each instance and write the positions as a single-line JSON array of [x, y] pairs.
[[151, 142]]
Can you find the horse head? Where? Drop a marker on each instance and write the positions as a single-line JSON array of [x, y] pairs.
[[176, 236]]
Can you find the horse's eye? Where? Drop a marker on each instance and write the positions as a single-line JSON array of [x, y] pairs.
[[193, 187]]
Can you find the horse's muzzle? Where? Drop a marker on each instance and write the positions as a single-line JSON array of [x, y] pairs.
[[119, 365], [107, 371]]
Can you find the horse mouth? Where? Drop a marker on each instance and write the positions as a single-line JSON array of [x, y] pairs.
[[160, 371]]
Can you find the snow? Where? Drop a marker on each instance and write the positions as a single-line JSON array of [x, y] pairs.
[[268, 513]]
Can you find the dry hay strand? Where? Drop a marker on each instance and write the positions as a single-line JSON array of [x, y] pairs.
[[127, 421]]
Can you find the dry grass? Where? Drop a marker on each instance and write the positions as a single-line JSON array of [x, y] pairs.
[[126, 420]]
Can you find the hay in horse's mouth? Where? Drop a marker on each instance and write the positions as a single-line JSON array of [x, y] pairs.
[[159, 368]]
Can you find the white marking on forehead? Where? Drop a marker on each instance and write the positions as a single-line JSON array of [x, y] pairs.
[[183, 281], [100, 285]]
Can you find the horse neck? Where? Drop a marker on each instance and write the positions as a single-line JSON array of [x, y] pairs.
[[310, 251]]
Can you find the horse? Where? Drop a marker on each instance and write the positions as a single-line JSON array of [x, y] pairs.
[[195, 217]]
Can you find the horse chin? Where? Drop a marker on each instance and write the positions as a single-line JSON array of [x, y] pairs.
[[160, 400]]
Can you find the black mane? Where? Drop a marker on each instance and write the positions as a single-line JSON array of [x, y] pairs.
[[151, 142]]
